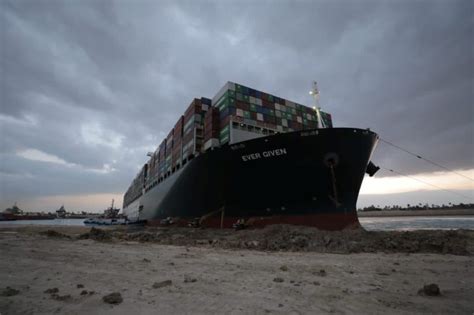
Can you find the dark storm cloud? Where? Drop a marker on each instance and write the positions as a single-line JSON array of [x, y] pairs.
[[100, 83]]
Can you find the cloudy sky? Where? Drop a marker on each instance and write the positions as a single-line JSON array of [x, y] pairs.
[[88, 87]]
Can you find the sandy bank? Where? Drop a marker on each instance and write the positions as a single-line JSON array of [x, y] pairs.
[[206, 280]]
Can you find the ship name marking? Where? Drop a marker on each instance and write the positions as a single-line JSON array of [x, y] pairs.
[[265, 154], [309, 133]]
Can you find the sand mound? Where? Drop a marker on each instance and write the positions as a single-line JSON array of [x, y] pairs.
[[297, 238]]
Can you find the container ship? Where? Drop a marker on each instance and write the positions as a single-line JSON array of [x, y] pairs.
[[253, 158]]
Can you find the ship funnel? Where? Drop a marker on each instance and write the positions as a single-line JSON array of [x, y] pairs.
[[372, 169]]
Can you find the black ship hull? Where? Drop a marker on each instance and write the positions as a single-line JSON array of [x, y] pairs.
[[309, 177]]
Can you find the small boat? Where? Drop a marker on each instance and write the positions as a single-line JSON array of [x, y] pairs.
[[110, 216]]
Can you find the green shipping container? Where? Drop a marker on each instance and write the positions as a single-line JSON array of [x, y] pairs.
[[225, 130], [228, 98], [222, 99], [224, 138]]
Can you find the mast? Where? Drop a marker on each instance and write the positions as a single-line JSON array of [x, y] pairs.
[[315, 94]]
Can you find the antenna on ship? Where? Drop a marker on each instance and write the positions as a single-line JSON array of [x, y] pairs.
[[315, 94]]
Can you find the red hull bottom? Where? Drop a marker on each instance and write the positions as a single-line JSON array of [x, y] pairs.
[[329, 222]]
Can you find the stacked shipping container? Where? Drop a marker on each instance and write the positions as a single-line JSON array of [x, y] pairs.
[[162, 159], [177, 143], [168, 152], [136, 189], [211, 128], [262, 112], [193, 130], [206, 124]]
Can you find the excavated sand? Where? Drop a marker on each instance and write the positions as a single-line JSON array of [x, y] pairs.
[[281, 269]]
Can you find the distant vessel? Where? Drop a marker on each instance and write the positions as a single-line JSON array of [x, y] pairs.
[[109, 217], [253, 158], [61, 212], [15, 213]]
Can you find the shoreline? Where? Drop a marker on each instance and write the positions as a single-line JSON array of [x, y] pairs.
[[415, 213]]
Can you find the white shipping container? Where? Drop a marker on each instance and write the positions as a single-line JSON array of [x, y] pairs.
[[213, 142], [252, 99], [258, 102], [277, 113], [284, 123], [240, 112], [277, 106], [260, 116], [299, 119], [227, 86], [205, 107]]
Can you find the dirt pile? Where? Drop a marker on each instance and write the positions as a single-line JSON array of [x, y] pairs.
[[96, 234], [9, 292], [297, 238], [53, 233], [113, 298], [430, 290]]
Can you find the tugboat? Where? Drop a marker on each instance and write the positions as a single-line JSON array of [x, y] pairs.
[[110, 216]]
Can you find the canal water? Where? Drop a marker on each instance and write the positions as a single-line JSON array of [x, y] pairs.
[[372, 224]]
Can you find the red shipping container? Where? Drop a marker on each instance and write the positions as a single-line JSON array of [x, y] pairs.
[[268, 104], [224, 122], [187, 137], [242, 105], [270, 125], [194, 108], [269, 119], [178, 127]]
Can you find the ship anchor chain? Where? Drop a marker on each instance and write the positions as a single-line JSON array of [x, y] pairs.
[[331, 160]]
